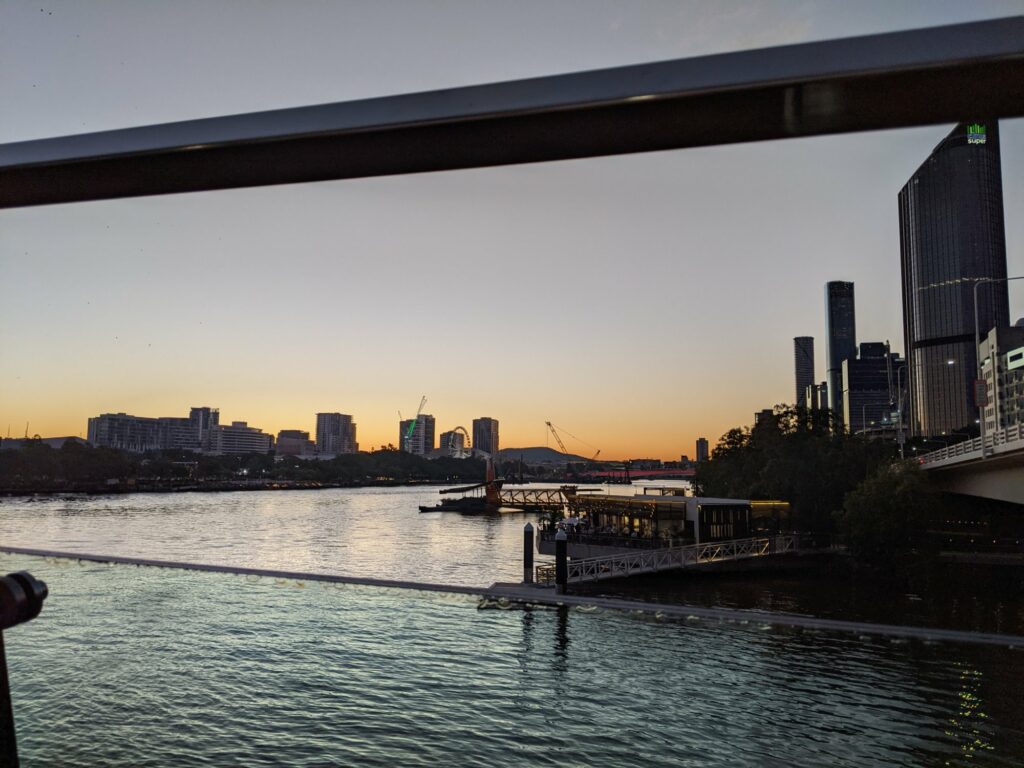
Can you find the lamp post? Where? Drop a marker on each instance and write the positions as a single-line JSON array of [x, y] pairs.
[[977, 353], [899, 396]]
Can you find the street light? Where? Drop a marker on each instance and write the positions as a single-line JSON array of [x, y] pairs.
[[899, 397], [977, 353]]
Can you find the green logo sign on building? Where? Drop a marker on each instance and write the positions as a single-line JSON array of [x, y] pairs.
[[976, 134]]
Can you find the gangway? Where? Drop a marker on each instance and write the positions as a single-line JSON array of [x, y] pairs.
[[668, 558]]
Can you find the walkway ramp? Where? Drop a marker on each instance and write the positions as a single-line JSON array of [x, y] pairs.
[[670, 558]]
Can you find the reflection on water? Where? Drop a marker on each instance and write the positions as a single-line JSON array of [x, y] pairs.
[[154, 667], [372, 532]]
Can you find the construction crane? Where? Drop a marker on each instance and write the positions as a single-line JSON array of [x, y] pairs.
[[557, 438], [413, 423], [562, 445]]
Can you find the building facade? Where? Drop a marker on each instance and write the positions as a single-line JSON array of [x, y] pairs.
[[143, 433], [295, 442], [840, 339], [124, 432], [485, 435], [239, 437], [803, 367], [335, 434], [420, 439], [870, 396], [817, 396], [1002, 368], [951, 236]]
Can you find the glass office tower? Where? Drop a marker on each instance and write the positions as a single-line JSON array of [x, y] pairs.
[[951, 234], [803, 367], [840, 340]]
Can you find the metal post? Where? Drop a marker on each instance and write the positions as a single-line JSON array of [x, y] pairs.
[[528, 553], [21, 599], [561, 562], [8, 745]]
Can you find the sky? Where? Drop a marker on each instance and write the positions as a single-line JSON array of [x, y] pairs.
[[638, 302]]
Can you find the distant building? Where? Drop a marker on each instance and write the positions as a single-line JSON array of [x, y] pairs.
[[1002, 368], [951, 236], [124, 432], [485, 435], [702, 449], [142, 433], [335, 434], [840, 339], [294, 442], [239, 438], [817, 397], [869, 389], [803, 367], [764, 417], [644, 464], [421, 440]]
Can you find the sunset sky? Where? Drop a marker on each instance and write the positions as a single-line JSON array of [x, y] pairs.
[[637, 301]]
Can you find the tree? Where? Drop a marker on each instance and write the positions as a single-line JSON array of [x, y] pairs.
[[888, 513]]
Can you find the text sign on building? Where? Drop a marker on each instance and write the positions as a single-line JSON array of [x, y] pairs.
[[980, 393], [976, 134], [1015, 359]]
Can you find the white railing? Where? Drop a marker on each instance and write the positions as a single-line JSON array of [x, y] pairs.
[[651, 560], [1000, 441]]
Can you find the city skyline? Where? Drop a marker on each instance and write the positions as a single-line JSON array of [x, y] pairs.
[[629, 298]]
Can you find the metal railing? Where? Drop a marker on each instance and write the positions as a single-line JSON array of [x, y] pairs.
[[1001, 441], [653, 560]]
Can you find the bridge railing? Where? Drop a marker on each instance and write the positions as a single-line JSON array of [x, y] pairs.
[[652, 560], [1007, 437]]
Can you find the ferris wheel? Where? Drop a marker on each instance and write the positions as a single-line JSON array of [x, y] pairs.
[[454, 449]]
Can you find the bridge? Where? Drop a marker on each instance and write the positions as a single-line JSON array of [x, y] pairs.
[[669, 558], [994, 470], [536, 498]]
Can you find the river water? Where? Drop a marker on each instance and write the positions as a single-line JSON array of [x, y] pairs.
[[157, 667]]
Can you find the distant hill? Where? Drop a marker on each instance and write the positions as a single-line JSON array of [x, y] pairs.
[[539, 455]]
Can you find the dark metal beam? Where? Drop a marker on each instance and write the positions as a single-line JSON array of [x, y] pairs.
[[899, 79]]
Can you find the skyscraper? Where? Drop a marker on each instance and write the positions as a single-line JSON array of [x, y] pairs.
[[951, 235], [421, 439], [803, 366], [702, 449], [840, 340], [485, 435]]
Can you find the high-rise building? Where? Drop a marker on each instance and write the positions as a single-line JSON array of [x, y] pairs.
[[421, 439], [951, 235], [485, 435], [803, 367], [335, 433], [840, 339], [870, 397], [702, 449]]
